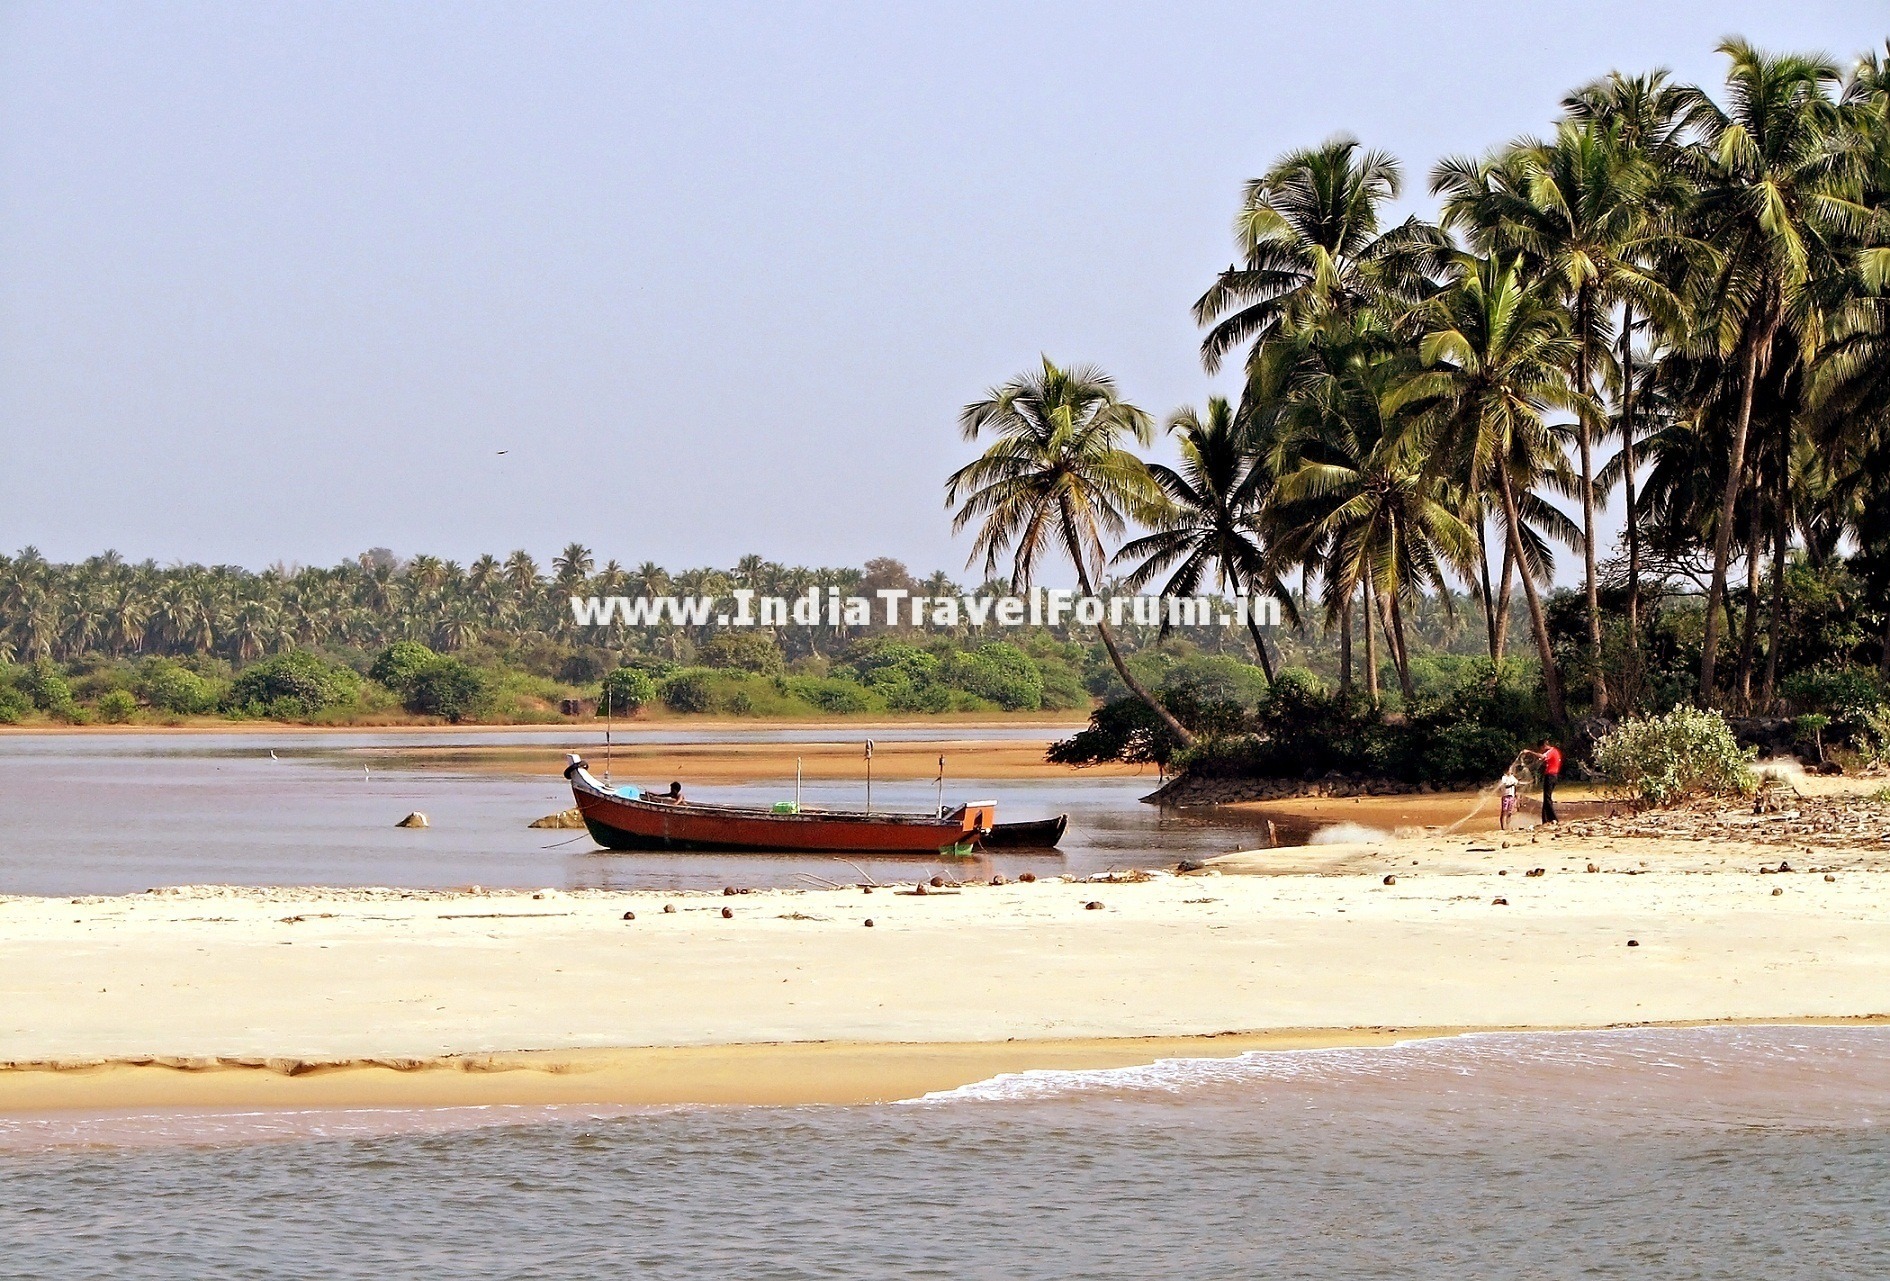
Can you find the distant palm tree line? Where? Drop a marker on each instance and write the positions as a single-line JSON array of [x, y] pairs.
[[1695, 279]]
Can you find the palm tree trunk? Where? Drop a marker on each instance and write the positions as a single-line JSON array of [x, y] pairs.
[[1371, 648], [1136, 687], [1345, 647], [1488, 595], [1259, 641], [1551, 678], [1749, 632], [1259, 644], [1584, 444], [1759, 346], [1781, 542], [1627, 464], [1401, 654], [1503, 597]]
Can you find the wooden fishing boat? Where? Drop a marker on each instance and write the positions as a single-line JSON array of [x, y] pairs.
[[622, 819], [1039, 834]]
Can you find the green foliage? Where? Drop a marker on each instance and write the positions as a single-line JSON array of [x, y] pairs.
[[117, 706], [838, 697], [14, 703], [746, 651], [291, 686], [171, 687], [999, 673], [624, 691], [688, 690], [448, 688], [45, 688], [1848, 695], [1663, 759], [400, 663]]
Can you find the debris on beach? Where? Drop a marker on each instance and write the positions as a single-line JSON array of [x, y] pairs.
[[563, 820], [415, 819]]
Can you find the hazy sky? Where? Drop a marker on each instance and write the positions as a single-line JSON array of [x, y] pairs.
[[279, 281]]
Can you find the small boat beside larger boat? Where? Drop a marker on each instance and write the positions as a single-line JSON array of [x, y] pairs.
[[621, 819], [1037, 834]]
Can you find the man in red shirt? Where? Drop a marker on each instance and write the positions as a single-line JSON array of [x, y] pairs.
[[1551, 758]]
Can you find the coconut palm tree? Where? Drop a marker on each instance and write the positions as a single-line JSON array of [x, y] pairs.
[[1056, 478], [1209, 521], [1779, 183], [1311, 246], [1576, 214], [1359, 481], [1497, 357]]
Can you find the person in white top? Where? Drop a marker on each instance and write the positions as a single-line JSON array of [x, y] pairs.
[[1507, 785]]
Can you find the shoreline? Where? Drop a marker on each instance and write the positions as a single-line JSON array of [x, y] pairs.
[[779, 1074], [951, 720]]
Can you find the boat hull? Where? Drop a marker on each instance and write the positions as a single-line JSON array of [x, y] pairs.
[[621, 823], [1039, 834]]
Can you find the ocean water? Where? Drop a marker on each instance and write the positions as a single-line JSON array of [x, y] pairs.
[[1711, 1153], [120, 813]]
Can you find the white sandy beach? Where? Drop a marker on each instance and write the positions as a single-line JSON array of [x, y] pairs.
[[283, 980]]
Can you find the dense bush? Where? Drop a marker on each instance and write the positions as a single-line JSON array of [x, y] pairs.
[[45, 688], [1663, 759], [171, 687], [14, 703], [398, 665], [117, 706], [689, 691], [999, 673], [624, 691], [448, 688], [292, 686], [744, 651]]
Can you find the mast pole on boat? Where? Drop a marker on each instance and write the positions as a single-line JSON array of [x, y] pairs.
[[607, 706], [869, 776], [797, 784], [941, 786]]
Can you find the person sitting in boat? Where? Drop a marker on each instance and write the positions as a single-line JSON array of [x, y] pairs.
[[674, 796]]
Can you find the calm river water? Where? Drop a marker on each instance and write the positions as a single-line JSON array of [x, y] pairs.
[[1722, 1153], [109, 814]]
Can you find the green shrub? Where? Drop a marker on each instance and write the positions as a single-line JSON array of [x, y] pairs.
[[743, 651], [1663, 759], [689, 691], [117, 706], [45, 687], [170, 688], [292, 686], [999, 673], [14, 704], [624, 691], [838, 697], [448, 688], [400, 663]]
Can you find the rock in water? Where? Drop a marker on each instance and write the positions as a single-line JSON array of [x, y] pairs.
[[415, 819], [563, 820], [869, 922], [728, 913], [1391, 880], [1092, 906], [629, 916]]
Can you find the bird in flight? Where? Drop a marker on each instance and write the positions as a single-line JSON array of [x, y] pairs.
[[504, 451]]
